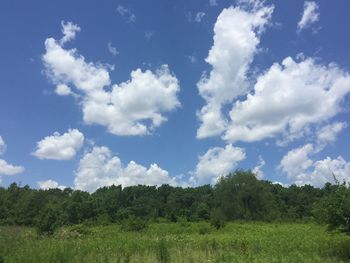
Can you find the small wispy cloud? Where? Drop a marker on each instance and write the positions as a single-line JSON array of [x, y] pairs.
[[310, 15], [199, 16], [213, 2], [113, 50], [126, 13], [149, 34], [192, 59]]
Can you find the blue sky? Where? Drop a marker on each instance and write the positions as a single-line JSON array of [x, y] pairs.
[[180, 92]]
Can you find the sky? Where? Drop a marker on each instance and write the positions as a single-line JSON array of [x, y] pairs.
[[95, 93]]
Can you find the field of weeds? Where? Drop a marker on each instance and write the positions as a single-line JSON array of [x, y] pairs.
[[177, 242]]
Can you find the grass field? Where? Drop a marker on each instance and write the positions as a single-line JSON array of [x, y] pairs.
[[180, 242]]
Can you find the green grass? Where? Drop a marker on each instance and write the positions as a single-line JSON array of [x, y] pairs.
[[182, 242]]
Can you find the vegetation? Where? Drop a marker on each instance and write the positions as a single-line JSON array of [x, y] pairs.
[[174, 224], [177, 242], [238, 196]]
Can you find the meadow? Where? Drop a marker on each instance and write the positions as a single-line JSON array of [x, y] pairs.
[[177, 242]]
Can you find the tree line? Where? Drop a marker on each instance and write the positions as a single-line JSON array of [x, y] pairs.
[[237, 196]]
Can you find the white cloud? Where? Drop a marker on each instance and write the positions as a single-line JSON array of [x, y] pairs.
[[9, 169], [329, 133], [125, 109], [69, 31], [6, 168], [296, 162], [310, 15], [63, 90], [113, 50], [134, 107], [2, 146], [257, 170], [60, 147], [236, 40], [287, 99], [199, 16], [213, 2], [325, 169], [217, 162], [126, 13], [100, 168], [50, 184], [65, 66], [301, 169]]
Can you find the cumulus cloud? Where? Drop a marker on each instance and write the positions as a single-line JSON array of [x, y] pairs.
[[217, 162], [296, 162], [100, 168], [287, 99], [60, 147], [257, 170], [69, 31], [134, 107], [113, 50], [50, 184], [2, 146], [236, 40], [310, 15], [126, 13], [301, 169], [9, 169], [6, 168]]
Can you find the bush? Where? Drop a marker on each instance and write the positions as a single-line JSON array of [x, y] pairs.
[[182, 221], [134, 224], [217, 219], [49, 219], [204, 228], [335, 210]]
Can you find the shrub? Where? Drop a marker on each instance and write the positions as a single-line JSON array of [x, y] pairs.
[[204, 228], [134, 224], [217, 219], [49, 219]]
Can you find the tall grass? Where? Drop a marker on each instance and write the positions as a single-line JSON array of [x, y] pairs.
[[171, 242]]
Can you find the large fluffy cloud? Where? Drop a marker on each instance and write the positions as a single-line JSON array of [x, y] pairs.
[[302, 169], [60, 147], [134, 107], [217, 162], [310, 15], [9, 169], [127, 108], [236, 40], [100, 168], [287, 99]]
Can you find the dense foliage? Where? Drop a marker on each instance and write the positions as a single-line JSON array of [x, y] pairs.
[[238, 196]]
